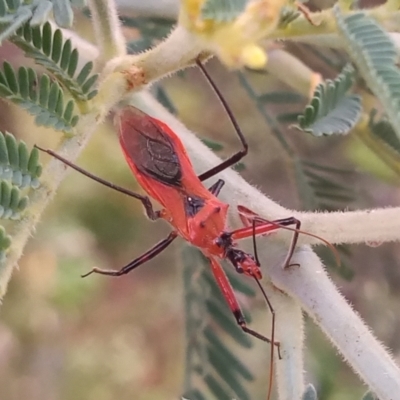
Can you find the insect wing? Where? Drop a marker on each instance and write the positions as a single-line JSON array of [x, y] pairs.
[[148, 146]]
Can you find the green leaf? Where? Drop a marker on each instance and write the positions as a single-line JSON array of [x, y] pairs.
[[41, 13], [374, 54], [383, 130], [63, 13], [226, 322], [161, 95], [14, 14], [194, 394], [222, 10], [150, 30], [224, 354], [11, 201], [41, 98], [18, 164], [226, 374], [287, 15], [318, 188], [214, 146], [216, 388], [281, 97], [13, 19], [331, 110], [5, 243], [49, 49]]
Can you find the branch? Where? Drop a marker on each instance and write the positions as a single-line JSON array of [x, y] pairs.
[[376, 225], [317, 294], [126, 74], [108, 33]]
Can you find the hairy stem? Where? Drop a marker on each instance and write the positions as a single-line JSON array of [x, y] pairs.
[[310, 285], [109, 37]]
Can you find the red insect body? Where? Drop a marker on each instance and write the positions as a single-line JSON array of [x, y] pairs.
[[198, 215], [163, 169]]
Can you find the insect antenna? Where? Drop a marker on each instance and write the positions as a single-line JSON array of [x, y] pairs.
[[241, 153], [271, 369]]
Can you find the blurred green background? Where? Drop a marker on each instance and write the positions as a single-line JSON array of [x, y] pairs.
[[64, 337]]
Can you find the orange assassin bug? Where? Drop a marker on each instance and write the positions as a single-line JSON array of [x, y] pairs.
[[162, 167]]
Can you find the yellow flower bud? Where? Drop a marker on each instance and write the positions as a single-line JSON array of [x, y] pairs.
[[254, 57]]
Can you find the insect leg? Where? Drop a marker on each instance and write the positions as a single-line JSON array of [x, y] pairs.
[[234, 158], [295, 237], [229, 295], [154, 251], [216, 188], [150, 212], [260, 226], [271, 369]]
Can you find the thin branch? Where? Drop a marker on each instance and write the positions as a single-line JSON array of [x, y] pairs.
[[131, 73], [376, 225], [108, 33], [310, 284]]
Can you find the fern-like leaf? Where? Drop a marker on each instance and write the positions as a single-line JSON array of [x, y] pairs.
[[63, 13], [208, 357], [374, 54], [12, 203], [383, 130], [42, 98], [19, 174], [222, 10], [332, 110], [15, 13], [41, 13], [287, 15], [328, 193], [151, 30], [17, 164], [5, 243], [320, 189], [49, 49]]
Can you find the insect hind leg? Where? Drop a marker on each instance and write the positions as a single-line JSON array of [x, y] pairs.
[[230, 297]]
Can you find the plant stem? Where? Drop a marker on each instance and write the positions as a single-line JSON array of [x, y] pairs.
[[109, 37]]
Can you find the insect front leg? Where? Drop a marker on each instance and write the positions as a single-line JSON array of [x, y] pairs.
[[234, 158], [150, 212], [154, 251], [255, 225]]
